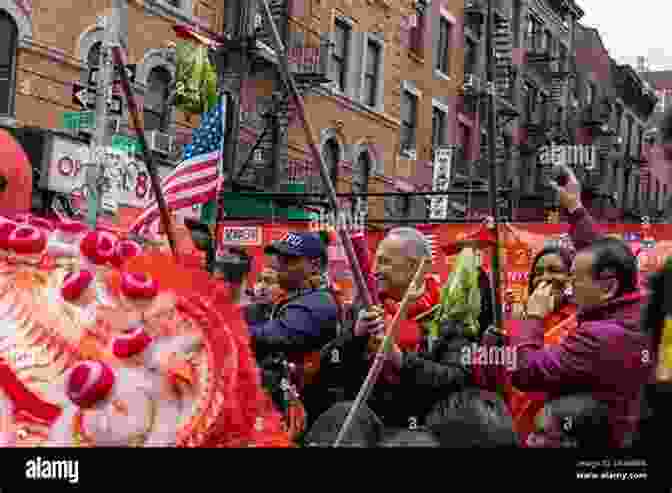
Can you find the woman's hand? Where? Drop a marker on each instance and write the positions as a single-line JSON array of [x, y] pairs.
[[370, 322], [542, 302]]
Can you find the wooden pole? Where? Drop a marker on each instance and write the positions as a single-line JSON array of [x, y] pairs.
[[118, 58]]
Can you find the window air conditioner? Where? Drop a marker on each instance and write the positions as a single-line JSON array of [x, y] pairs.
[[410, 154]]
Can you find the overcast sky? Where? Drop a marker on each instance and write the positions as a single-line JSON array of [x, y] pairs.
[[632, 29]]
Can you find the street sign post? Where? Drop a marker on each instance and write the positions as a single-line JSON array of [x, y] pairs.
[[131, 71], [126, 144]]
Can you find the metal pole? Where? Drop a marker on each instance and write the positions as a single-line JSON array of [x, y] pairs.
[[230, 150], [492, 128], [103, 95]]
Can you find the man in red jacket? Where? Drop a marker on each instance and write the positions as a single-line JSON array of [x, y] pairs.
[[421, 374], [608, 356]]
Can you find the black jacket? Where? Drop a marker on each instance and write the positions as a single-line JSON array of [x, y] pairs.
[[425, 378]]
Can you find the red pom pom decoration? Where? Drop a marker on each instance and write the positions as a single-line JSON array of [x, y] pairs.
[[125, 250], [75, 283], [89, 382], [22, 217], [27, 240], [72, 227], [98, 247], [138, 286], [6, 228], [135, 342]]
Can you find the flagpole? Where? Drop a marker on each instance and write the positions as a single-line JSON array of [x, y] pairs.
[[220, 184], [229, 160], [118, 58]]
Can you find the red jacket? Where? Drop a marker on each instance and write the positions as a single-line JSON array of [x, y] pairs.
[[409, 334]]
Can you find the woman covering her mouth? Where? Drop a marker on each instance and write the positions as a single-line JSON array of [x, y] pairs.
[[551, 265]]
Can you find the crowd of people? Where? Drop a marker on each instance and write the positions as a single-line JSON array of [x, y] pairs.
[[585, 348]]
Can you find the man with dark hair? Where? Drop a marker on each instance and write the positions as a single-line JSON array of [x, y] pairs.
[[305, 321], [577, 421], [608, 355]]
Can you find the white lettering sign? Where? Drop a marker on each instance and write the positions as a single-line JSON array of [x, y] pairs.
[[126, 179], [438, 206], [241, 236]]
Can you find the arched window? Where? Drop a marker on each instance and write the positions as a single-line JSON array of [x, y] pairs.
[[93, 57], [9, 35], [156, 99], [332, 155], [360, 180]]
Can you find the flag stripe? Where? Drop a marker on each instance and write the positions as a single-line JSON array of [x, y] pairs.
[[183, 202], [186, 185], [195, 180], [195, 195], [193, 165]]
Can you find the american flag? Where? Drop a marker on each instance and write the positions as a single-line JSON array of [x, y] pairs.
[[195, 180]]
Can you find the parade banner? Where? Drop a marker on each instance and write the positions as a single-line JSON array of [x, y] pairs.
[[519, 244]]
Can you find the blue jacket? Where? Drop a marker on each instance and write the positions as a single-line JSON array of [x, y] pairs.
[[303, 323]]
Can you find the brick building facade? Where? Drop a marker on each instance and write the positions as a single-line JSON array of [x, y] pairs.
[[395, 69], [53, 46]]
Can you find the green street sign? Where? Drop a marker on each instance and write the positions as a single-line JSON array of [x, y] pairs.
[[79, 120], [127, 144]]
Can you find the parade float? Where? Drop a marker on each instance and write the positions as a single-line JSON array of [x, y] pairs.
[[105, 344]]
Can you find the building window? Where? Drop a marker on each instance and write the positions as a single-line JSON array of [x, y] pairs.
[[547, 42], [438, 127], [340, 53], [360, 179], [530, 99], [332, 155], [562, 54], [664, 201], [93, 61], [156, 99], [409, 115], [533, 34], [660, 106], [371, 75], [590, 93], [93, 57], [443, 55], [656, 194], [9, 35], [470, 56], [417, 31]]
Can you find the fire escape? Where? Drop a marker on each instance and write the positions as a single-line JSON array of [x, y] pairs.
[[264, 166], [475, 91]]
